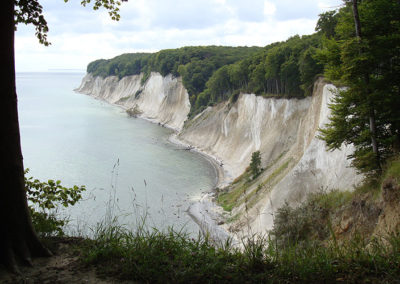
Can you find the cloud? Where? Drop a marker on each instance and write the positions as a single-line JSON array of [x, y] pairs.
[[248, 11], [80, 35], [269, 8]]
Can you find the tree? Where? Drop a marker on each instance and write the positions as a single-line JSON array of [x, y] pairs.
[[18, 239], [364, 56], [255, 164], [326, 23]]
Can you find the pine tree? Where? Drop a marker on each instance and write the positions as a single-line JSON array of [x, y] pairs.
[[255, 164]]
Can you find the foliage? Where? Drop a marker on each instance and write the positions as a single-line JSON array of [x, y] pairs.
[[243, 190], [280, 69], [393, 169], [308, 222], [174, 257], [366, 113], [121, 66], [44, 199], [327, 23], [255, 164], [373, 184], [233, 195]]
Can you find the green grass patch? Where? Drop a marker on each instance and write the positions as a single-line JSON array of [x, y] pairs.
[[266, 184], [369, 186], [233, 218], [373, 184], [393, 169], [231, 198], [174, 257], [332, 199]]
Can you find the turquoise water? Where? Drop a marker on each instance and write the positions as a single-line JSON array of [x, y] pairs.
[[128, 166]]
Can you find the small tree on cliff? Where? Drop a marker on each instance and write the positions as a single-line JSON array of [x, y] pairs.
[[17, 236], [255, 164]]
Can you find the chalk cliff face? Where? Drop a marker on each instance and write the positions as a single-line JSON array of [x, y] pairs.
[[283, 130], [231, 133], [161, 99]]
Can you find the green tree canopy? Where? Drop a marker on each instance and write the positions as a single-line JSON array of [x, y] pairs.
[[367, 61]]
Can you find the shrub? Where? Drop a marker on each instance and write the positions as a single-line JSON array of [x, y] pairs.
[[44, 198], [310, 221]]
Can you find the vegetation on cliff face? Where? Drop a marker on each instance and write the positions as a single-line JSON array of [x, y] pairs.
[[370, 212]]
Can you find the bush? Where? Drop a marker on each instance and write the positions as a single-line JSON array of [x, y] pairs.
[[310, 221], [44, 198]]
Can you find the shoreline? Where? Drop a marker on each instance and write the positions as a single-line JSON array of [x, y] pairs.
[[204, 211], [220, 172]]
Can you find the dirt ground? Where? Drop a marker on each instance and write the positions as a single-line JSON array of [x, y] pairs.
[[63, 267]]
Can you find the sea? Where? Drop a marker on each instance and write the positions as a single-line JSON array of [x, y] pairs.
[[134, 176]]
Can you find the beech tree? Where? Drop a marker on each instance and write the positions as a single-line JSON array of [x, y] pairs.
[[18, 239], [364, 57]]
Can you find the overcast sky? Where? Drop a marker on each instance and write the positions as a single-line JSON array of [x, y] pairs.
[[80, 35]]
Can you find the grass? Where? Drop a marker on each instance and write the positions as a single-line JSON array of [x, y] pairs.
[[173, 257], [372, 185], [332, 199], [233, 196], [393, 169], [230, 199], [267, 183], [239, 192]]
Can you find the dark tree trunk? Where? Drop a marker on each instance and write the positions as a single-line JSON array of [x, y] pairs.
[[356, 19], [372, 129], [18, 239], [372, 122]]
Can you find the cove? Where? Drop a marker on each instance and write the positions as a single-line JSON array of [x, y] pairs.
[[129, 167]]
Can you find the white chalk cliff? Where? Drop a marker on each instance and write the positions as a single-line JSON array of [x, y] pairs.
[[161, 99], [283, 130]]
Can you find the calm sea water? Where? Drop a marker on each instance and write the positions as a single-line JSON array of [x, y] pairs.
[[128, 166]]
